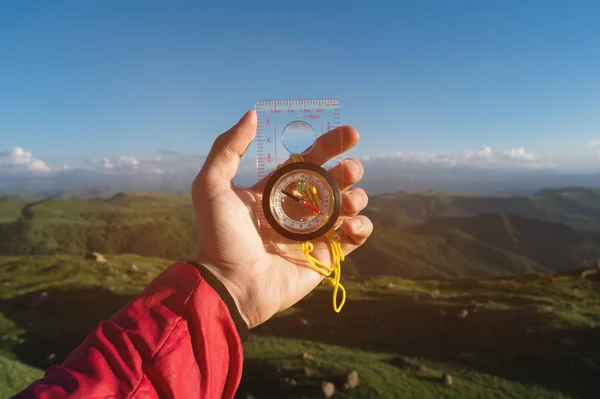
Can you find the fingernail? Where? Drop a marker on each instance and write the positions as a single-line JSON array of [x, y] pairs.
[[357, 198], [354, 223], [251, 115]]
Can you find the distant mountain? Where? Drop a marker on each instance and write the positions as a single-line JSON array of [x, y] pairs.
[[578, 207], [416, 235], [485, 245], [381, 176], [457, 180]]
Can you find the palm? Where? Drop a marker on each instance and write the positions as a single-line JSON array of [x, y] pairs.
[[262, 278], [230, 236]]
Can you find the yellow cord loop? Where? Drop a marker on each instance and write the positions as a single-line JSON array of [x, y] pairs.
[[335, 249]]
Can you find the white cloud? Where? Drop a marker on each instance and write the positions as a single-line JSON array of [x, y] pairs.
[[167, 165], [18, 160], [593, 143], [485, 156], [519, 153], [117, 164]]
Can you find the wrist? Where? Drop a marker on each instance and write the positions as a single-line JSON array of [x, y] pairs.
[[239, 295], [212, 276]]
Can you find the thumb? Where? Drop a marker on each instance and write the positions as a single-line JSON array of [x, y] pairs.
[[223, 159]]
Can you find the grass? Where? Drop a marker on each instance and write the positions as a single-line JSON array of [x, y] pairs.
[[523, 337], [272, 358], [14, 376]]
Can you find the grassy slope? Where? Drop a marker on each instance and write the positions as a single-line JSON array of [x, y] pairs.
[[572, 206], [512, 334], [149, 224], [162, 225], [554, 245], [11, 209], [14, 376]]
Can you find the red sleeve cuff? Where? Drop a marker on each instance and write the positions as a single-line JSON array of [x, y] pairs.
[[217, 285]]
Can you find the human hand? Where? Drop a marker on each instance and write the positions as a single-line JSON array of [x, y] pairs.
[[229, 244]]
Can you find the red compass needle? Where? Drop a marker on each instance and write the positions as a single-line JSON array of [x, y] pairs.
[[302, 202], [309, 206]]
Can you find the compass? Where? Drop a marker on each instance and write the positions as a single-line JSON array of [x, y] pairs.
[[301, 201]]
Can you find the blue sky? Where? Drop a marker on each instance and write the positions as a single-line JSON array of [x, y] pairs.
[[95, 79]]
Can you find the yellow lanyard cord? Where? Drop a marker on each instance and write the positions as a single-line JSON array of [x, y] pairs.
[[335, 248], [337, 256]]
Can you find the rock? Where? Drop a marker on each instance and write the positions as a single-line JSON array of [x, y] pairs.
[[21, 340], [447, 380], [304, 322], [328, 389], [51, 357], [43, 297], [133, 268], [592, 275], [350, 380], [95, 256], [406, 363], [306, 356], [463, 314]]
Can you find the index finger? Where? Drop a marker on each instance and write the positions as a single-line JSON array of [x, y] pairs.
[[327, 146]]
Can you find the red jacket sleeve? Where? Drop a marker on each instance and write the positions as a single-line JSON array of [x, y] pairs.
[[180, 338]]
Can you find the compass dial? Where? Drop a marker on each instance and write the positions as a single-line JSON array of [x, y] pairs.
[[301, 201]]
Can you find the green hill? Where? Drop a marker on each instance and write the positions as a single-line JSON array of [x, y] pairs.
[[148, 224], [416, 235], [555, 245], [578, 207], [518, 337], [483, 245], [11, 209]]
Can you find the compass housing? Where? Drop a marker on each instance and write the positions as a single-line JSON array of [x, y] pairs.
[[273, 208]]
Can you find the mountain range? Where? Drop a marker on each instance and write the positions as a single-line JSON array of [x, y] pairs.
[[417, 235]]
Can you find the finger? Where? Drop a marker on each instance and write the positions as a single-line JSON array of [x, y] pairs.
[[223, 159], [332, 144], [354, 201], [355, 232], [347, 173], [326, 147]]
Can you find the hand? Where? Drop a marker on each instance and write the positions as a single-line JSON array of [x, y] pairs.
[[229, 244]]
